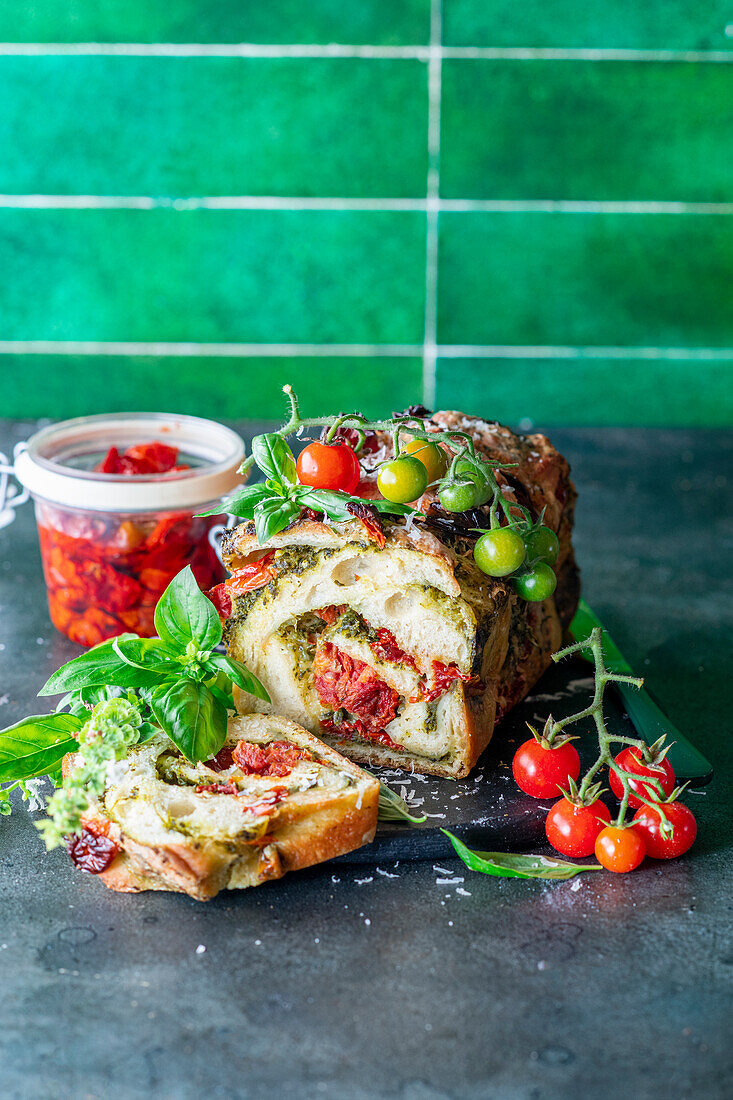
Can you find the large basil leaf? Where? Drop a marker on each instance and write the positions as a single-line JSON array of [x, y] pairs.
[[98, 667], [239, 673], [511, 865], [241, 503], [184, 614], [191, 717], [35, 746], [274, 515], [149, 654], [274, 457]]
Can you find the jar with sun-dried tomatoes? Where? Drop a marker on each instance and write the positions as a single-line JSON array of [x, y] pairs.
[[116, 498]]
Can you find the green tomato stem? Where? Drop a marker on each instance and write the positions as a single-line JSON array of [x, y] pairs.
[[411, 424], [602, 678]]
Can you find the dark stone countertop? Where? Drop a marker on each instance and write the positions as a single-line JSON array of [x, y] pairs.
[[357, 982]]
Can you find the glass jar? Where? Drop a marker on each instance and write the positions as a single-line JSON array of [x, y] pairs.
[[111, 543]]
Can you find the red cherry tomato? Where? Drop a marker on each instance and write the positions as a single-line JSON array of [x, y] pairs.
[[630, 760], [648, 822], [572, 830], [620, 850], [329, 466], [541, 772]]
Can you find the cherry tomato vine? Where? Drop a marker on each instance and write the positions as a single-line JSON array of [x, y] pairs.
[[640, 776]]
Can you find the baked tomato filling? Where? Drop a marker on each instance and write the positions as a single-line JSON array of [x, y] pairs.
[[276, 758], [386, 649], [442, 678], [92, 850], [246, 579], [344, 683]]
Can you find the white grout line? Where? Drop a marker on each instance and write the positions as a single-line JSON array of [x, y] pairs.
[[545, 351], [444, 351], [432, 204], [398, 53], [531, 53], [430, 359], [207, 202], [191, 348], [581, 206]]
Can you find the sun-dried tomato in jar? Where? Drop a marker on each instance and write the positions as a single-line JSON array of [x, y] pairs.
[[116, 523]]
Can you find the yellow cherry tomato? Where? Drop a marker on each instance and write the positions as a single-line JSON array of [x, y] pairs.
[[432, 456]]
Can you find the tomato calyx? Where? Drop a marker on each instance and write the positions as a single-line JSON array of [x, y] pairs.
[[653, 755], [550, 738], [572, 794], [361, 442]]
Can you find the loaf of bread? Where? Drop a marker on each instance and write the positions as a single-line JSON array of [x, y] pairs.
[[385, 639], [274, 799]]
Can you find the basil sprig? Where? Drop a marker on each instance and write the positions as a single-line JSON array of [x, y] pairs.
[[185, 684], [275, 504], [512, 865]]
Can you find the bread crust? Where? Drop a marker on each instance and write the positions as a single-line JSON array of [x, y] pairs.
[[307, 827]]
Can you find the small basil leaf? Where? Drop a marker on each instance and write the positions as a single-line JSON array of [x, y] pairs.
[[274, 457], [35, 746], [511, 865], [241, 503], [334, 504], [388, 506], [184, 614], [272, 516], [149, 654], [225, 697], [191, 717], [238, 673], [328, 501], [96, 668], [146, 731]]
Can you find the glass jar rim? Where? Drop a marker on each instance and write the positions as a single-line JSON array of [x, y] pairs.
[[39, 463]]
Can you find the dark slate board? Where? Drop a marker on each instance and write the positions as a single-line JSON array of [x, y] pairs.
[[487, 809]]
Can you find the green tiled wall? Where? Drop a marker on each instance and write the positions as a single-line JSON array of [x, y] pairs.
[[589, 24], [265, 183], [202, 275], [586, 279], [223, 387], [566, 131], [213, 126], [578, 391], [278, 21]]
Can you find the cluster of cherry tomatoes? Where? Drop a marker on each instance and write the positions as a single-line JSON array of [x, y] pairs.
[[580, 827], [529, 554]]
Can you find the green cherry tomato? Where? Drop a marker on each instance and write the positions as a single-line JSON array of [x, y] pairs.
[[457, 496], [403, 480], [537, 584], [433, 457], [499, 552], [483, 490], [542, 545]]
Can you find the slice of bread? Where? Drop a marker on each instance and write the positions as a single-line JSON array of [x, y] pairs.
[[278, 799]]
